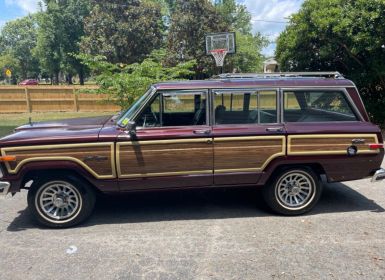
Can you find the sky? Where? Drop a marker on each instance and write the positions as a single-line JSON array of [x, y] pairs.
[[268, 16]]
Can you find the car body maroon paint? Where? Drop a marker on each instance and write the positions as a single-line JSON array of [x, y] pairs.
[[150, 146]]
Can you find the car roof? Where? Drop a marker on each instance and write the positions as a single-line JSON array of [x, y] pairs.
[[291, 80]]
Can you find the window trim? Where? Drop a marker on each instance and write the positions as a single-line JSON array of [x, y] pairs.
[[254, 89], [343, 90], [185, 91]]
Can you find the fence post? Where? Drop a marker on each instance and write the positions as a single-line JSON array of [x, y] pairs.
[[28, 100], [76, 105]]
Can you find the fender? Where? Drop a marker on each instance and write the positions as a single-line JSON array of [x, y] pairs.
[[337, 168], [30, 170]]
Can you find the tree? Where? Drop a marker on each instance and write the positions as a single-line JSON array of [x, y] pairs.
[[17, 39], [235, 15], [340, 35], [73, 15], [59, 34], [123, 31], [49, 40], [190, 22], [125, 83], [248, 58], [8, 61]]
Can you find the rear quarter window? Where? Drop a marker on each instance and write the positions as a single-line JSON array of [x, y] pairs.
[[317, 106]]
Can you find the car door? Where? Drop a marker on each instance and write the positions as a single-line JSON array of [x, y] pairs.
[[172, 146], [324, 125], [247, 134]]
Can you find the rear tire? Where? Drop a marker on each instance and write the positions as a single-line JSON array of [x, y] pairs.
[[293, 191], [61, 202]]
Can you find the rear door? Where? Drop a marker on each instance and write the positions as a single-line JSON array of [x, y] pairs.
[[324, 125], [247, 134]]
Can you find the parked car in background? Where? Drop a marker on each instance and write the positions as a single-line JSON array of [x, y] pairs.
[[29, 82], [284, 133]]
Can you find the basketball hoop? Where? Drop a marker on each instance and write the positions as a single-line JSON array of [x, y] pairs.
[[219, 56]]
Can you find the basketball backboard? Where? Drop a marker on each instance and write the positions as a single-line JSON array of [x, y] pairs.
[[219, 41]]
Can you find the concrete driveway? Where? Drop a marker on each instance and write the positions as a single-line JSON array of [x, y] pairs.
[[211, 234]]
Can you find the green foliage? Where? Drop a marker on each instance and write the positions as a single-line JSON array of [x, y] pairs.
[[59, 34], [235, 15], [8, 61], [125, 83], [248, 58], [123, 31], [73, 15], [190, 22], [17, 39], [49, 40], [340, 35]]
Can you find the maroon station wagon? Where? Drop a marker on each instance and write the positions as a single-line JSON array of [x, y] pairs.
[[281, 132]]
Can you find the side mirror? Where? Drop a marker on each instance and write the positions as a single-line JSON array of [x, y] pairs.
[[131, 127]]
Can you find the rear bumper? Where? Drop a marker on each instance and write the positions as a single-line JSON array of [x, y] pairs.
[[4, 188], [379, 175]]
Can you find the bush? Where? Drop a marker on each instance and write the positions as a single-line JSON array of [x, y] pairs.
[[125, 83]]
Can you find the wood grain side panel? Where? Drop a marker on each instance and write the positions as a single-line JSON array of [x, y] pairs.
[[164, 158], [329, 144], [80, 153], [246, 154]]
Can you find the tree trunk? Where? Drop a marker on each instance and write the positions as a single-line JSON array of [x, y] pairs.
[[69, 79], [81, 76], [56, 79]]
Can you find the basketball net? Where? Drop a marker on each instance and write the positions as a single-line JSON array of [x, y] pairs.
[[219, 56]]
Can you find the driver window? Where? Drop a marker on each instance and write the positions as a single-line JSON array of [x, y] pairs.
[[176, 108], [150, 117]]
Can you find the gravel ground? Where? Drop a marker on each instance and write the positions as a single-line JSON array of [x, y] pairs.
[[211, 234]]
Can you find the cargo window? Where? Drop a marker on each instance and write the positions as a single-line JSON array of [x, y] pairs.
[[317, 106], [245, 107]]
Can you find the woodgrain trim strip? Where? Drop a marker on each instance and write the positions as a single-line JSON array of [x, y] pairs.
[[248, 138], [158, 142], [163, 174], [4, 151], [327, 136]]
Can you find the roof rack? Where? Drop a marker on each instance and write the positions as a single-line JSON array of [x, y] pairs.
[[334, 75]]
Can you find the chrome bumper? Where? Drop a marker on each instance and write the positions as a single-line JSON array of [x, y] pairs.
[[378, 175], [4, 188]]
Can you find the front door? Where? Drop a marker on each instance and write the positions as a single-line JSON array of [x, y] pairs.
[[247, 134], [173, 144]]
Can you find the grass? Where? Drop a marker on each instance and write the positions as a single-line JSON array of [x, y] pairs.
[[9, 121]]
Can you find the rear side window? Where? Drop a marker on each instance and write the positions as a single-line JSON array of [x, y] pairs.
[[245, 107], [317, 106]]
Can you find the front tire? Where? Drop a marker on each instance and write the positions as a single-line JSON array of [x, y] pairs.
[[61, 202], [293, 191]]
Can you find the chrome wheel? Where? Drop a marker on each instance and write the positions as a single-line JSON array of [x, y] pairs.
[[58, 201], [295, 190]]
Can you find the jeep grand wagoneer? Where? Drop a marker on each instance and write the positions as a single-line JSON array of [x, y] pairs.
[[281, 132]]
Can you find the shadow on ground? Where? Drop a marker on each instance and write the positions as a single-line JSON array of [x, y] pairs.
[[203, 204]]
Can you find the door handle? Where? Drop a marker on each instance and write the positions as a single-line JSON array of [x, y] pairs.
[[201, 131], [275, 129]]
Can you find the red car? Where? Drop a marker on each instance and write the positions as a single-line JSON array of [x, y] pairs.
[[286, 133], [29, 82]]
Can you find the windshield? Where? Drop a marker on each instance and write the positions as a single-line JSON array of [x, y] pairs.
[[127, 115]]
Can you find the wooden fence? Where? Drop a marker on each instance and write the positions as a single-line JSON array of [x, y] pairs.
[[18, 99]]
